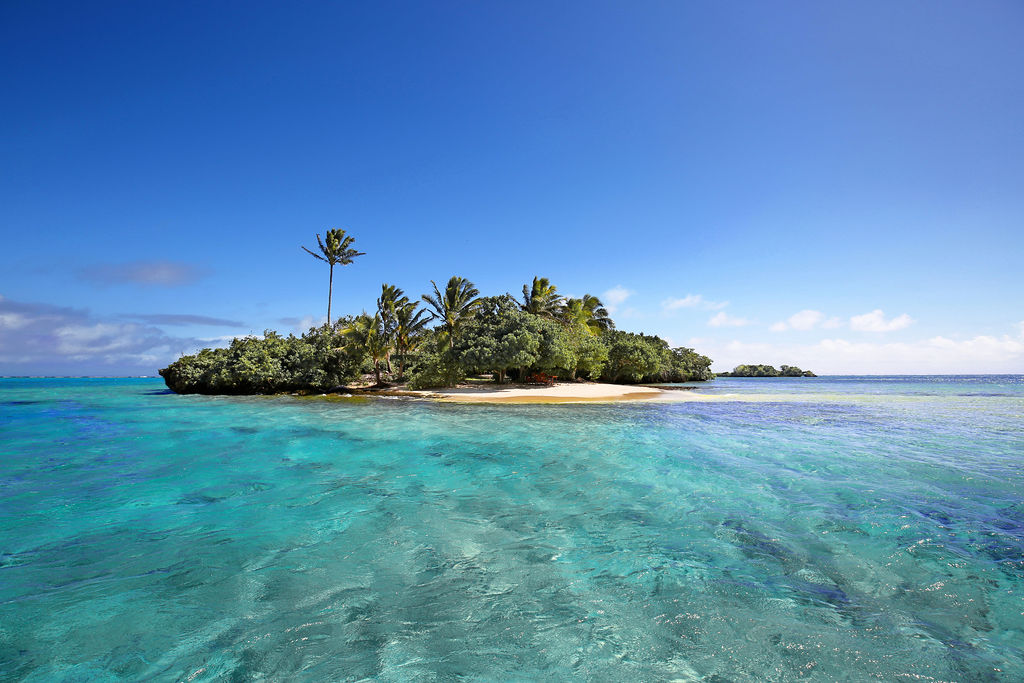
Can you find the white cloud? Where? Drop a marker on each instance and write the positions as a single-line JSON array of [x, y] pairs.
[[875, 322], [980, 354], [12, 321], [615, 297], [832, 323], [46, 339], [723, 319], [804, 320], [692, 301]]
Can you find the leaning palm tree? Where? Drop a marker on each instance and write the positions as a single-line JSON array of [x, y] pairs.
[[598, 318], [366, 333], [336, 250], [410, 321], [542, 298], [453, 307]]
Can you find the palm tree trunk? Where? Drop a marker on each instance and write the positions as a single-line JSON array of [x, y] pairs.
[[330, 289]]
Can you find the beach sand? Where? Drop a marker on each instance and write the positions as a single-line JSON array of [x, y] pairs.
[[568, 392]]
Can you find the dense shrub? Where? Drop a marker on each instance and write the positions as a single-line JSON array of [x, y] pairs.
[[271, 364]]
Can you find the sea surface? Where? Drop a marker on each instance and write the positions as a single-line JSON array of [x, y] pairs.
[[838, 528]]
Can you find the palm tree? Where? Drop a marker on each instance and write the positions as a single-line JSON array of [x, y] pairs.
[[454, 306], [366, 333], [335, 251], [542, 298], [410, 320], [588, 311], [391, 300]]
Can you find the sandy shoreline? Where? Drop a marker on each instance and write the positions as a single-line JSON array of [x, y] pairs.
[[568, 392]]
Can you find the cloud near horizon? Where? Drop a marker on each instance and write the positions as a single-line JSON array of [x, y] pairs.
[[149, 273], [41, 339], [981, 354]]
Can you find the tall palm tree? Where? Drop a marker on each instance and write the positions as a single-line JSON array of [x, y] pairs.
[[542, 298], [410, 321], [336, 250], [453, 307], [587, 311]]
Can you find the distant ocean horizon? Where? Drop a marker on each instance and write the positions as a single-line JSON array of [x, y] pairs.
[[822, 376], [847, 527]]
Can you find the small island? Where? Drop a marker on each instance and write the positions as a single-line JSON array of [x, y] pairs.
[[543, 338], [767, 371]]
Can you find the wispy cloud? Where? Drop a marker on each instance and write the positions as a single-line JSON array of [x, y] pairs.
[[692, 301], [46, 339], [723, 319], [615, 297], [806, 319], [182, 319], [303, 324], [150, 273], [875, 321]]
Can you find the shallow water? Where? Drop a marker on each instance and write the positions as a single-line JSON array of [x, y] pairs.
[[837, 529]]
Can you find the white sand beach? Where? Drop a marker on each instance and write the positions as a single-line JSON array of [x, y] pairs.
[[564, 392]]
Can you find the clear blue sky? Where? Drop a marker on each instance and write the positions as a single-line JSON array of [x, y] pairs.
[[163, 163]]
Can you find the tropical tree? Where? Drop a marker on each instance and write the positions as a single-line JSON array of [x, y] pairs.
[[391, 300], [410, 321], [454, 307], [501, 337], [367, 335], [542, 298], [588, 311], [336, 250]]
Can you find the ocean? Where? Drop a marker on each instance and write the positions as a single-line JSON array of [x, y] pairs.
[[837, 528]]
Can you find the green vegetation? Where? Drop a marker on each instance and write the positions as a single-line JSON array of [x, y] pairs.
[[545, 334], [767, 371]]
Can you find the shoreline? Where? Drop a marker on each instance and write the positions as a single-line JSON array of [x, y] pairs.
[[562, 392]]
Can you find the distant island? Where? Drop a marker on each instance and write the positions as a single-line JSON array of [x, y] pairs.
[[543, 337], [767, 371]]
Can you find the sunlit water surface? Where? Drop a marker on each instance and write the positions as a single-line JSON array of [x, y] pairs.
[[818, 529]]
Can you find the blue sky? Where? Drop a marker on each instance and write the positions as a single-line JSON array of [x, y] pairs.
[[710, 169]]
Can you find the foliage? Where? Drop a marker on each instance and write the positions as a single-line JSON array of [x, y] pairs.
[[541, 298], [767, 371], [368, 334], [644, 358], [252, 365], [437, 365], [454, 307], [589, 311], [499, 338], [410, 324], [633, 357]]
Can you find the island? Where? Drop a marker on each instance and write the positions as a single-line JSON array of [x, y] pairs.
[[767, 371], [539, 340]]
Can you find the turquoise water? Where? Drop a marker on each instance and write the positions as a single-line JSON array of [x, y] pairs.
[[828, 529]]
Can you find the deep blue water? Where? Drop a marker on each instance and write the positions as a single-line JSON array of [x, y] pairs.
[[806, 529]]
